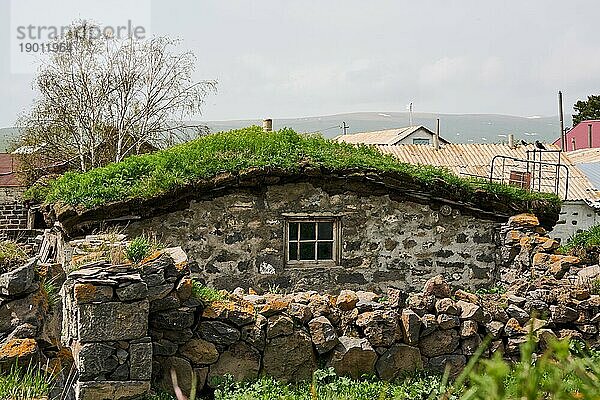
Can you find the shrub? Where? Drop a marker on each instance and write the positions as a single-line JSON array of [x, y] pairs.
[[50, 290], [585, 244]]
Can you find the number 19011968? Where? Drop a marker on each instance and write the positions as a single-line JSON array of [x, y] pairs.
[[44, 47]]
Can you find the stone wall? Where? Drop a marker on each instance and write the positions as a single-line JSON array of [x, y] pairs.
[[13, 213], [237, 240], [118, 318]]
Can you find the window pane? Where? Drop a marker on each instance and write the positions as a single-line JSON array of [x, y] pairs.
[[325, 251], [293, 252], [293, 231], [325, 230], [307, 231], [307, 251]]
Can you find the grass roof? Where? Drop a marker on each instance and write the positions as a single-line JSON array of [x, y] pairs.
[[151, 175]]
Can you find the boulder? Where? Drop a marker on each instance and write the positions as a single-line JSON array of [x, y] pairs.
[[179, 319], [468, 328], [437, 287], [470, 311], [526, 220], [397, 361], [19, 280], [199, 352], [517, 313], [218, 332], [290, 358], [95, 361], [275, 305], [396, 298], [494, 328], [555, 264], [279, 325], [26, 351], [466, 296], [562, 314], [241, 361], [300, 312], [256, 334], [456, 363], [470, 345], [446, 321], [439, 342], [513, 328], [346, 300], [429, 324], [132, 291], [421, 304], [323, 334], [183, 370], [353, 357], [140, 360], [380, 327], [109, 390], [411, 325], [446, 306]]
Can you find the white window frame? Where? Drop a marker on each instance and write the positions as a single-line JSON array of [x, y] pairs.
[[304, 218]]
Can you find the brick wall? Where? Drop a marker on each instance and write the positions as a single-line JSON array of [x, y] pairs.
[[13, 213]]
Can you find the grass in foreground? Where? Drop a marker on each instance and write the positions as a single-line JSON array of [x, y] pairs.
[[29, 383], [207, 293], [12, 254], [582, 241], [564, 371], [145, 176]]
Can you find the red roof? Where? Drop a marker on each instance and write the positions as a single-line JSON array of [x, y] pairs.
[[581, 136], [9, 166]]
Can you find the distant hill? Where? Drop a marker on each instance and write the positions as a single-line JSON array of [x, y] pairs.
[[457, 128]]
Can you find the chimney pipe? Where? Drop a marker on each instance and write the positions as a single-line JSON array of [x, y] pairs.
[[590, 135], [267, 125], [563, 138], [573, 148], [511, 140], [436, 137]]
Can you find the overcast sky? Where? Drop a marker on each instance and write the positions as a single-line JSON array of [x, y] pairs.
[[283, 58]]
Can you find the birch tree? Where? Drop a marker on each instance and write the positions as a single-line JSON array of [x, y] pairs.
[[103, 99]]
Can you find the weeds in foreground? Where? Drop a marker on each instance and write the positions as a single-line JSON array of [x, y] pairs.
[[141, 247], [25, 383]]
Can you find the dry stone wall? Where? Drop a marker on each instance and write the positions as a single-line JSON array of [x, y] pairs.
[[131, 327], [238, 240]]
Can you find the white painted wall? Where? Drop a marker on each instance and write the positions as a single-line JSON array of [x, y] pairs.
[[418, 134], [575, 216]]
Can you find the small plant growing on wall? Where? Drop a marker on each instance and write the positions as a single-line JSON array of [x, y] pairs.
[[206, 293], [12, 255], [141, 247]]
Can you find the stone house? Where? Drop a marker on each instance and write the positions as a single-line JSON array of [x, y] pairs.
[[14, 215], [319, 230]]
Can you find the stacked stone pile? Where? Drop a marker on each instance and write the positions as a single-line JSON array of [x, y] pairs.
[[26, 319]]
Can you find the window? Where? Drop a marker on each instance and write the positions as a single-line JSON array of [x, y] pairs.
[[420, 141], [520, 179], [312, 240]]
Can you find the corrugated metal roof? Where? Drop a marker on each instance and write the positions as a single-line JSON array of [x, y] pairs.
[[476, 159], [592, 171], [384, 137], [9, 165], [584, 155]]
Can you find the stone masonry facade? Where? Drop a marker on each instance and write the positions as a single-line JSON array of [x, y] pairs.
[[13, 213], [239, 240], [132, 327]]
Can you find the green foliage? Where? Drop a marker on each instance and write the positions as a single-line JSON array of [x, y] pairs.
[[145, 176], [582, 241], [326, 385], [12, 254], [29, 383], [206, 293], [50, 290], [586, 110], [560, 372], [139, 248]]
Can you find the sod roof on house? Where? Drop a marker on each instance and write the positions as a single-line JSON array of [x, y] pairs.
[[251, 157]]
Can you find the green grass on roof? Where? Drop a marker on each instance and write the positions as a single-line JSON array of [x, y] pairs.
[[150, 175]]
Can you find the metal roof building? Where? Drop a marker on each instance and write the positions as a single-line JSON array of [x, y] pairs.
[[390, 137]]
